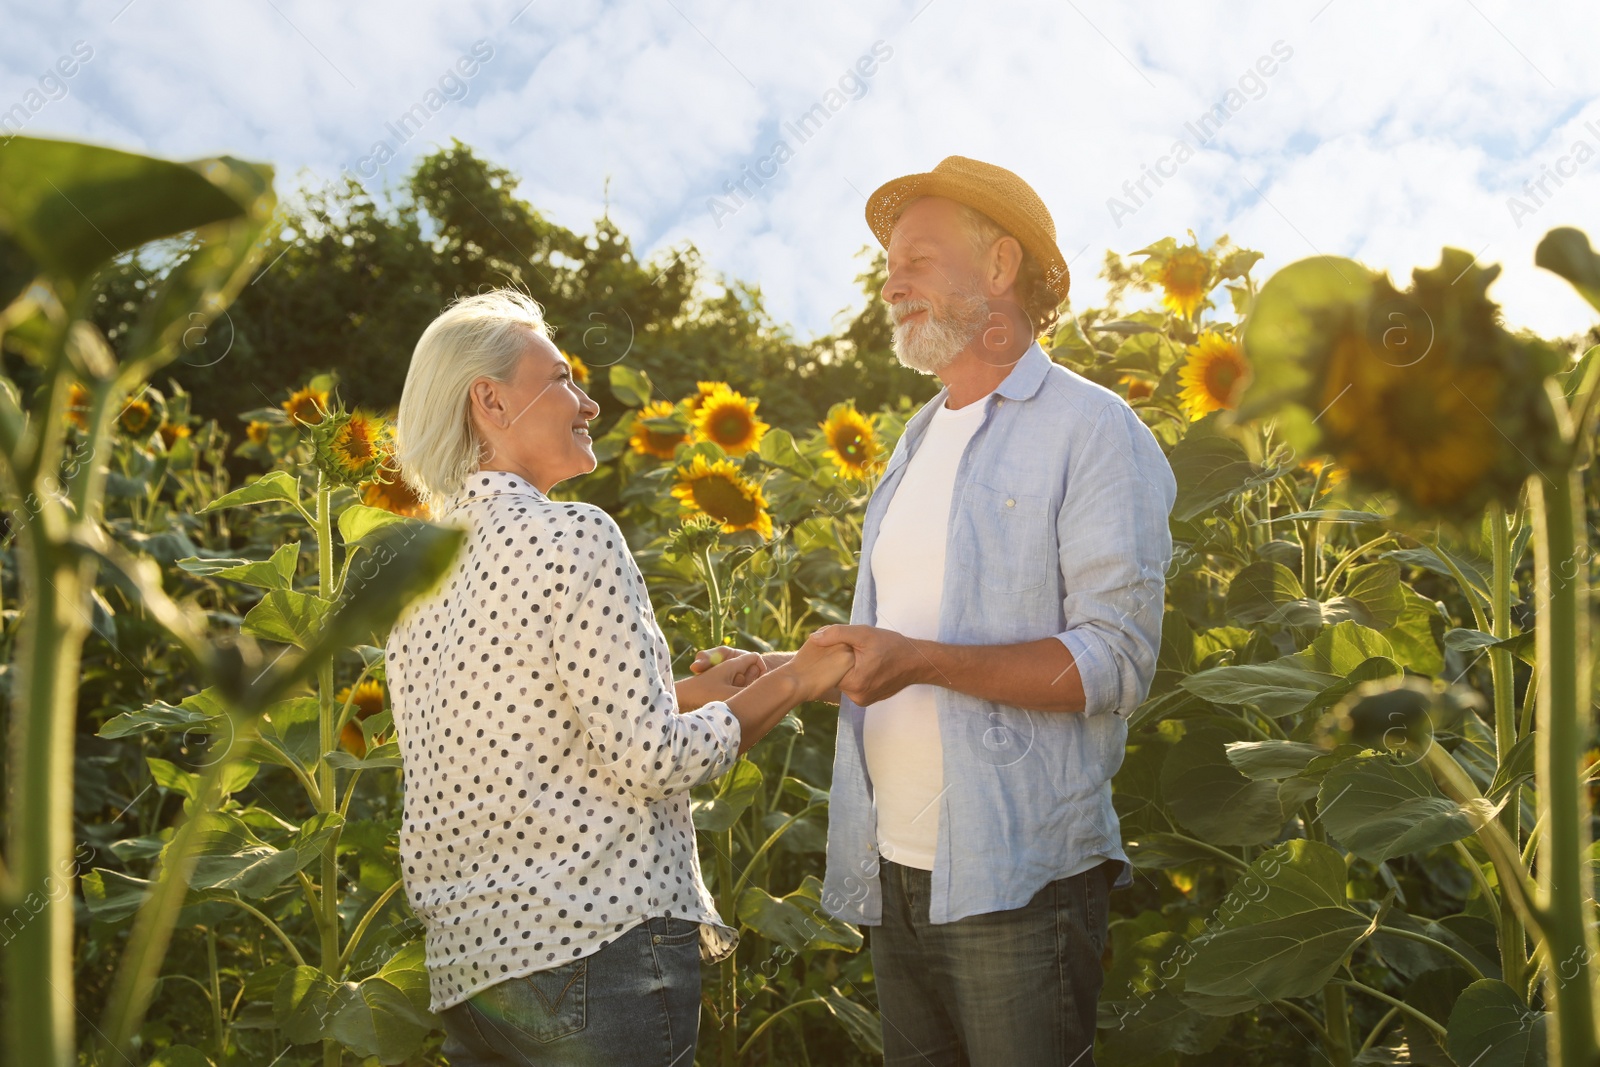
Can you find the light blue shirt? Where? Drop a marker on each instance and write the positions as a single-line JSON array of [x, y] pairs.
[[1057, 528]]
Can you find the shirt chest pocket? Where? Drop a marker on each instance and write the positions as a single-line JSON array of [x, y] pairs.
[[1010, 544]]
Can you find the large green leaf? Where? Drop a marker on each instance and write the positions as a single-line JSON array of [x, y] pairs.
[[1566, 251], [1284, 930], [1277, 688], [734, 794], [1343, 647], [274, 573], [275, 486], [798, 920], [201, 712], [359, 520], [112, 895], [1377, 587], [1380, 807], [1209, 470], [1491, 1027], [290, 732], [376, 1018], [1259, 590], [1211, 799], [71, 207], [232, 859], [287, 616], [631, 385], [1272, 760], [303, 1005], [401, 563]]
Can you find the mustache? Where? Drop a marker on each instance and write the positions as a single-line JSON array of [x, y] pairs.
[[909, 307]]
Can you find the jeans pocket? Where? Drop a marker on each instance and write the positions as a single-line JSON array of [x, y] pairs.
[[670, 931], [544, 1005]]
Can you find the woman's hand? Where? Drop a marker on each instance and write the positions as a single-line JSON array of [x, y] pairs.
[[732, 671]]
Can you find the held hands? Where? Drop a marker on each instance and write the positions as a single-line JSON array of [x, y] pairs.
[[885, 662]]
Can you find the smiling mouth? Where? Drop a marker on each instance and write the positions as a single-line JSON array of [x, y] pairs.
[[581, 431]]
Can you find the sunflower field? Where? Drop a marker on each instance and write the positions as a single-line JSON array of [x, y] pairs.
[[1358, 797]]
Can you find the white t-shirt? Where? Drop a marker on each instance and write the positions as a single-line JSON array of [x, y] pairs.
[[905, 757]]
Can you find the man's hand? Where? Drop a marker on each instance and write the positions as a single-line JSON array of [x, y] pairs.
[[886, 662]]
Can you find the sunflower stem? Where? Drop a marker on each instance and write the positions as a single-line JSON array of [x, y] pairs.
[[1513, 940]]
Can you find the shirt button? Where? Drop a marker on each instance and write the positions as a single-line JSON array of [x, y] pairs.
[[1011, 503]]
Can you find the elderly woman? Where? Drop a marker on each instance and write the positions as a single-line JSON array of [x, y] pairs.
[[547, 844]]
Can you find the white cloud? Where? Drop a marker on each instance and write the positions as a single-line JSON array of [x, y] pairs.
[[1391, 131]]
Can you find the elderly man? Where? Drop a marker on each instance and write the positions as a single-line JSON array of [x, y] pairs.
[[1006, 621]]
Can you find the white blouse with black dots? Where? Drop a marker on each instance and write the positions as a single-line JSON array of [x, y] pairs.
[[547, 766]]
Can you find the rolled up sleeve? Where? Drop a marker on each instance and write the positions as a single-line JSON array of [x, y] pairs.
[[610, 654], [1115, 547]]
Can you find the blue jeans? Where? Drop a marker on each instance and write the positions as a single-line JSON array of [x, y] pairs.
[[635, 1002], [1014, 988]]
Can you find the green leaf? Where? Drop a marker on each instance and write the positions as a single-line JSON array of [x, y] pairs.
[[273, 486], [290, 731], [112, 895], [1277, 688], [1343, 647], [1491, 1027], [1209, 470], [231, 859], [375, 1018], [180, 1056], [407, 971], [797, 921], [1377, 587], [1259, 590], [1160, 852], [859, 1024], [303, 1005], [1520, 645], [1213, 800], [734, 794], [631, 386], [1566, 252], [71, 207], [359, 520], [1412, 638], [1271, 760], [286, 616], [1284, 930], [386, 755], [777, 448], [274, 573], [403, 562], [191, 713], [1380, 808]]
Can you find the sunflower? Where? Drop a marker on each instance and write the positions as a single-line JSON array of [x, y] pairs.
[[716, 488], [852, 445], [1317, 466], [350, 445], [78, 400], [1213, 377], [729, 420], [367, 701], [258, 431], [307, 405], [1137, 387], [135, 417], [172, 433], [580, 369], [1185, 279], [649, 442], [702, 390], [391, 492]]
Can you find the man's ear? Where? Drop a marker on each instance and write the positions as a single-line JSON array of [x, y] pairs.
[[1005, 260]]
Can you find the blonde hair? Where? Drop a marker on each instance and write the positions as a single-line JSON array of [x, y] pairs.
[[481, 336]]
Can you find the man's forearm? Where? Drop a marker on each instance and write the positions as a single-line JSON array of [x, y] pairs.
[[1038, 675]]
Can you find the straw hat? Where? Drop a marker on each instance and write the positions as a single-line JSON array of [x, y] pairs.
[[995, 191]]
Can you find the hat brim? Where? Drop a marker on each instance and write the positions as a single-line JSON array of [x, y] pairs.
[[889, 199]]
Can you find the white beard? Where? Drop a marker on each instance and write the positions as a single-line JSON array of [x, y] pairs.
[[931, 345]]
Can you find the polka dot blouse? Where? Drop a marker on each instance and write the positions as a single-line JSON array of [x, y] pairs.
[[547, 767]]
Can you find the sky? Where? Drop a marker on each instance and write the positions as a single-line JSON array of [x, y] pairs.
[[1381, 131]]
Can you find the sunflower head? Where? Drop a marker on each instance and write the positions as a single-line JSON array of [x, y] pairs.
[[1185, 275], [391, 492], [258, 432], [136, 416], [702, 390], [651, 435], [1326, 469], [580, 369], [1213, 376], [728, 419], [78, 401], [717, 489], [1422, 392], [172, 433], [349, 445], [852, 444], [366, 701], [1138, 388], [308, 406]]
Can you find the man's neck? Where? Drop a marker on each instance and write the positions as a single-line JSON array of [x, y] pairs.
[[978, 369]]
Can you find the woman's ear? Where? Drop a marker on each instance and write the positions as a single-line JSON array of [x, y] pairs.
[[486, 402]]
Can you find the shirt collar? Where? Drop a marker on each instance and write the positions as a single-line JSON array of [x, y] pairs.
[[1028, 374], [485, 483]]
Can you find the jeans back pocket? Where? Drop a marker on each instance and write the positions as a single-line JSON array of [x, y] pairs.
[[544, 1005]]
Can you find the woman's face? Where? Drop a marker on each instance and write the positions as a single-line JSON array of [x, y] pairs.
[[537, 424]]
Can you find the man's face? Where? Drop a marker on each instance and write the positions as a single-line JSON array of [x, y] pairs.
[[933, 289]]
